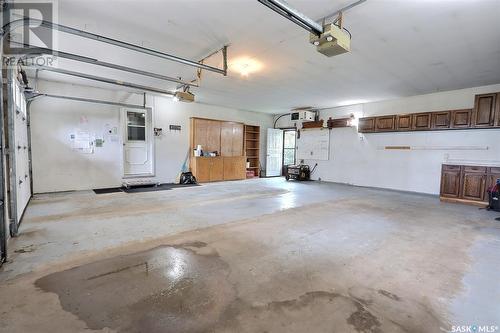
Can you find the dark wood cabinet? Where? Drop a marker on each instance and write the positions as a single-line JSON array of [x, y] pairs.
[[421, 121], [385, 123], [461, 118], [403, 122], [485, 114], [366, 125], [473, 186], [450, 181], [485, 110], [467, 184], [441, 120]]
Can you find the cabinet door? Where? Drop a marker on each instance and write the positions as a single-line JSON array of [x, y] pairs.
[[237, 143], [216, 169], [207, 134], [226, 139], [421, 121], [234, 168], [366, 125], [403, 122], [484, 110], [450, 182], [201, 169], [473, 186], [385, 123], [441, 120], [461, 118], [213, 139], [231, 140]]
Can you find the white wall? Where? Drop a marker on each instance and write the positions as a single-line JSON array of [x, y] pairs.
[[358, 159], [56, 167]]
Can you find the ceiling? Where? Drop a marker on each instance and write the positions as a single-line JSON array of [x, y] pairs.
[[399, 48]]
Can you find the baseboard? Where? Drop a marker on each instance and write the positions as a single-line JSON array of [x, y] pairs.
[[481, 204]]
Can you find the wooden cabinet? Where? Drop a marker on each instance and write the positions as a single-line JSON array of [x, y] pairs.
[[461, 118], [485, 114], [234, 168], [450, 181], [473, 184], [231, 140], [403, 122], [385, 123], [207, 169], [421, 121], [467, 184], [213, 169], [206, 133], [485, 110], [225, 138], [441, 120], [366, 125]]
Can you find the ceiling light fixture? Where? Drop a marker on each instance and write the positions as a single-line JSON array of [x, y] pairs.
[[245, 66]]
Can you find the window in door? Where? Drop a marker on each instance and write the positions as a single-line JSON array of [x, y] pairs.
[[289, 145], [136, 126]]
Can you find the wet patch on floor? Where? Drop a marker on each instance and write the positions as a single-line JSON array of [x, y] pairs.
[[363, 320], [166, 289]]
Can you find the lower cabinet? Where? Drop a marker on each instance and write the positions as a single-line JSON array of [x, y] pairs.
[[450, 181], [473, 186], [468, 184], [235, 167], [212, 169]]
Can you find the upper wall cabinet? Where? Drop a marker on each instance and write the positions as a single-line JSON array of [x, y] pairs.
[[366, 125], [441, 120], [485, 110], [386, 123], [207, 133], [486, 114], [231, 141], [421, 121], [403, 122], [461, 118]]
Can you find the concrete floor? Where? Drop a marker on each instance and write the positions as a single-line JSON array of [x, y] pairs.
[[251, 256]]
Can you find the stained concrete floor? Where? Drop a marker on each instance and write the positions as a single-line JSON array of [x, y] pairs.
[[252, 256]]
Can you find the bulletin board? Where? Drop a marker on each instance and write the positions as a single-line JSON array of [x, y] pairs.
[[314, 144]]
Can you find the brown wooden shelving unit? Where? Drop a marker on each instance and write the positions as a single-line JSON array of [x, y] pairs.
[[252, 148]]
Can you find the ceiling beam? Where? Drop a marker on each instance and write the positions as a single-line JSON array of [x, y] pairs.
[[106, 80], [284, 9], [26, 21], [32, 51]]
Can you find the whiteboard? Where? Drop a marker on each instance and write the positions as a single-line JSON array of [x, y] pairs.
[[314, 144]]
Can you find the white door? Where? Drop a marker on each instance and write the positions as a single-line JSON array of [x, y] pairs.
[[137, 143], [274, 152]]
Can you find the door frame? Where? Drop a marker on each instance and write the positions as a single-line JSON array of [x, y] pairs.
[[149, 136], [295, 148], [267, 153]]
